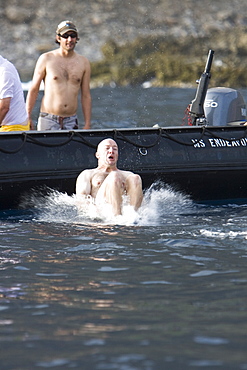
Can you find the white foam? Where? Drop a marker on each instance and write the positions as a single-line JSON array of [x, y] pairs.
[[60, 207], [223, 234]]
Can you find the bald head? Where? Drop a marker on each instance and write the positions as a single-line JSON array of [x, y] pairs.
[[107, 152]]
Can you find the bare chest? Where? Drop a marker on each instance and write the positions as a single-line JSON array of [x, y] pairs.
[[65, 72], [98, 179]]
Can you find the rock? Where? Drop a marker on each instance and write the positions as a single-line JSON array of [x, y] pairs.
[[28, 27], [17, 15]]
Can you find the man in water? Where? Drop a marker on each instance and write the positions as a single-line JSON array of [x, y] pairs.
[[108, 184], [65, 74], [13, 115]]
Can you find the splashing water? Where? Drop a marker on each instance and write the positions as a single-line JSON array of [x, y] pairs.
[[60, 207]]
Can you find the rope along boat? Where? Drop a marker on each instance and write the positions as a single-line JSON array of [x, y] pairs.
[[207, 159]]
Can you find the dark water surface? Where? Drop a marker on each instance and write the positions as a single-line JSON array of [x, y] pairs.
[[162, 289], [135, 107]]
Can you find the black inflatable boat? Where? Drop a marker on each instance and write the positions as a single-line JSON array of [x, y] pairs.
[[206, 159]]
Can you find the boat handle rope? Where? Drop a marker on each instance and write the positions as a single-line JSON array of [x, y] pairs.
[[118, 135], [168, 136], [85, 141], [16, 150], [72, 136], [141, 146], [223, 138], [32, 140], [205, 130]]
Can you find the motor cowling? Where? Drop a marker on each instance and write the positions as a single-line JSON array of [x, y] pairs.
[[224, 106]]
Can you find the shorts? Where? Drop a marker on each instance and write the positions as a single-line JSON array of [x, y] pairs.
[[8, 128], [48, 121]]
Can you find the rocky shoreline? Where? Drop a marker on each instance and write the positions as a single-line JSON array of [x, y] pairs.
[[28, 28]]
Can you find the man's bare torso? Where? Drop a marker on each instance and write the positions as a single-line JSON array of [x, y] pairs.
[[63, 80], [98, 176]]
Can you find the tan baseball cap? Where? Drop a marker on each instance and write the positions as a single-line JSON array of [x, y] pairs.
[[66, 26]]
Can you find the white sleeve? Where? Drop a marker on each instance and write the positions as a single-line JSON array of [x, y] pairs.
[[6, 85]]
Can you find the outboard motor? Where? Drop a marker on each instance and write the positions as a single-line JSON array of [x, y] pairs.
[[224, 106], [219, 106]]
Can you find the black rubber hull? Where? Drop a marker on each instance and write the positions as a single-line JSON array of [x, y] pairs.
[[209, 164]]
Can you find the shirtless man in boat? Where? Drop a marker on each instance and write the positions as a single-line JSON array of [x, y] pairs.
[[65, 74], [108, 184]]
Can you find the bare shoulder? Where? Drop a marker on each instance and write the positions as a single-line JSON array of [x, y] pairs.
[[83, 182], [49, 55], [82, 60], [82, 57], [86, 174], [126, 173]]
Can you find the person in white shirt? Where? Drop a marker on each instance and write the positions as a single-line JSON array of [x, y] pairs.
[[13, 115]]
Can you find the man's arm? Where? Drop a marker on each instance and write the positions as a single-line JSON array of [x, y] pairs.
[[38, 76], [4, 108], [86, 101], [83, 183]]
